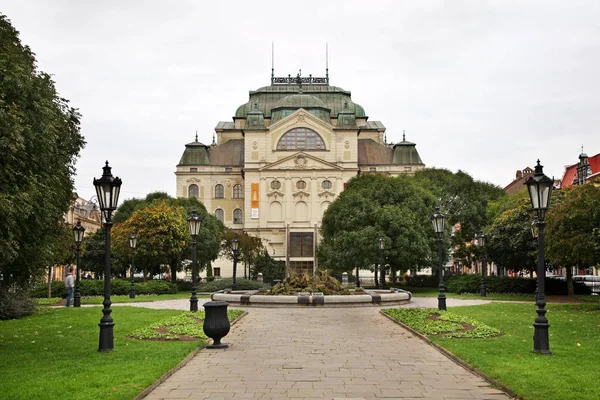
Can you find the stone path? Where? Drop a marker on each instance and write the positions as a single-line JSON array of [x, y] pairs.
[[324, 353]]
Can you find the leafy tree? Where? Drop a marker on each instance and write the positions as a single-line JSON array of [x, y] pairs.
[[39, 143], [161, 231], [249, 248], [268, 266], [463, 200], [509, 243], [572, 229]]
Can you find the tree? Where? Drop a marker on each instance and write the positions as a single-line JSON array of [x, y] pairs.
[[463, 200], [39, 144], [572, 229], [249, 248], [376, 206], [509, 242], [161, 231]]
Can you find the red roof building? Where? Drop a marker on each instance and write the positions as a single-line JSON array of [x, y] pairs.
[[570, 177]]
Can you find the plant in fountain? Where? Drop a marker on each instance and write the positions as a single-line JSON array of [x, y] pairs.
[[321, 282]]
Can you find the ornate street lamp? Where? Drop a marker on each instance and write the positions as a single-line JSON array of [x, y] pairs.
[[235, 244], [78, 231], [481, 244], [535, 232], [107, 190], [194, 222], [381, 265], [132, 244], [438, 219], [540, 190]]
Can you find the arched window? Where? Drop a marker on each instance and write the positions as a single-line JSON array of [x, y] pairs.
[[193, 191], [237, 192], [219, 192], [301, 139], [237, 216], [219, 214]]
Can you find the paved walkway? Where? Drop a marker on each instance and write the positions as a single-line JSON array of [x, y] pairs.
[[321, 353]]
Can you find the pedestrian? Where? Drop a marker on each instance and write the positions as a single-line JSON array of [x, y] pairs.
[[69, 286]]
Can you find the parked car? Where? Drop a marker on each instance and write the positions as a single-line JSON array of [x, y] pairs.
[[559, 277], [591, 281]]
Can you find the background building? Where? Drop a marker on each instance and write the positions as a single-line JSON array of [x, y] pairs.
[[288, 153]]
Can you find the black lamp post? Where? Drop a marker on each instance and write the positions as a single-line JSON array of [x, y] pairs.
[[381, 265], [107, 190], [481, 244], [132, 244], [235, 244], [194, 222], [78, 231], [535, 231], [439, 221], [540, 190]]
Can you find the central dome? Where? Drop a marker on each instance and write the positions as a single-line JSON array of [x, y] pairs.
[[300, 100]]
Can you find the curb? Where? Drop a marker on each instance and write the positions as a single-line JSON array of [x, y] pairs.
[[454, 358], [183, 362]]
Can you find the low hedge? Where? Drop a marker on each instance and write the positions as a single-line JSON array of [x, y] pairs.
[[221, 284], [96, 288], [507, 284]]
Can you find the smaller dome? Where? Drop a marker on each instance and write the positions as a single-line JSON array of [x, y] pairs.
[[300, 100], [195, 153]]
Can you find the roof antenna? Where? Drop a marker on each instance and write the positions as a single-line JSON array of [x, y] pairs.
[[403, 135], [196, 135], [327, 62], [272, 62]]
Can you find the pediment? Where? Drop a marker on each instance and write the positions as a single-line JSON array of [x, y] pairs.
[[300, 117], [301, 161]]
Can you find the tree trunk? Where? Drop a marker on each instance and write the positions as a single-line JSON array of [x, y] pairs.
[[144, 273], [570, 287], [50, 282], [173, 273]]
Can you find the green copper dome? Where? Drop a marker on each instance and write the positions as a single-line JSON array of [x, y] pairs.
[[195, 153]]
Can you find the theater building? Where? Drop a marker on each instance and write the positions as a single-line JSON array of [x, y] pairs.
[[288, 153]]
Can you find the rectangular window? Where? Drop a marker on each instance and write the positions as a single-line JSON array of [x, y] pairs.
[[228, 169], [217, 272], [301, 244], [372, 169], [193, 169], [302, 267]]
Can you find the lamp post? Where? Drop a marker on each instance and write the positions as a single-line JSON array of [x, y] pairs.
[[540, 190], [107, 190], [235, 244], [381, 266], [481, 244], [132, 244], [78, 231], [438, 221], [535, 231], [194, 222]]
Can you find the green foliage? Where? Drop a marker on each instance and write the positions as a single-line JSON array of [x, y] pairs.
[[95, 287], [432, 322], [39, 144], [429, 281], [321, 282], [16, 304], [471, 283], [270, 268], [222, 284]]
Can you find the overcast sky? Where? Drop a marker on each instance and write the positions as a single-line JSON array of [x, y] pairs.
[[486, 87]]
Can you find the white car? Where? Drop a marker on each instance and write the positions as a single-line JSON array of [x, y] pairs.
[[591, 281]]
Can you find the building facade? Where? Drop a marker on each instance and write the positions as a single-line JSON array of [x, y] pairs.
[[288, 153]]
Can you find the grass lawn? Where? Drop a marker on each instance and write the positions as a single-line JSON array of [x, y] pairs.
[[123, 299], [53, 354], [431, 292], [571, 372]]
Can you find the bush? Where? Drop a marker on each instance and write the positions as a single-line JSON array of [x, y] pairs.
[[15, 305], [507, 284], [184, 286], [422, 281], [222, 284], [95, 287]]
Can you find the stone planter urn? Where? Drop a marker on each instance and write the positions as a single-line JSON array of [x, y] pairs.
[[216, 324]]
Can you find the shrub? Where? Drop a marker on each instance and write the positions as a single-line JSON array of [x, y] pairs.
[[221, 284], [95, 287], [422, 281], [15, 305], [184, 286], [507, 284]]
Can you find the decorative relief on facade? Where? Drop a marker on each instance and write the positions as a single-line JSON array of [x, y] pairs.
[[300, 161], [298, 196], [275, 194], [195, 180], [255, 145], [300, 118], [327, 194], [347, 144]]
